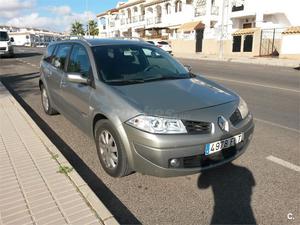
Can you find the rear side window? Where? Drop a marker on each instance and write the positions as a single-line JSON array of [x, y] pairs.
[[163, 43], [79, 61], [60, 56], [49, 53]]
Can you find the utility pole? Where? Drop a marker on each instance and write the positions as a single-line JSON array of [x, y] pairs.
[[88, 19], [221, 48]]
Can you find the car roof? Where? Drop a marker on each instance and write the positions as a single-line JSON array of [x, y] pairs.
[[103, 41]]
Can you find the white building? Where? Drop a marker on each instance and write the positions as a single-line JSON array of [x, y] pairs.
[[31, 36], [235, 27]]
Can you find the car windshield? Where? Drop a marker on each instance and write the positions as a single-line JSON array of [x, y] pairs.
[[124, 64], [3, 36]]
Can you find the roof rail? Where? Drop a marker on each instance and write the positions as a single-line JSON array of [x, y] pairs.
[[129, 38]]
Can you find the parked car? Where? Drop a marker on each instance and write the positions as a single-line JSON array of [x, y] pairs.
[[145, 111], [163, 45], [6, 44]]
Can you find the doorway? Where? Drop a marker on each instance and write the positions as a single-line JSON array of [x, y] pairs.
[[199, 40]]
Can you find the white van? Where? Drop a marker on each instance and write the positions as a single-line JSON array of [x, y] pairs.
[[6, 47]]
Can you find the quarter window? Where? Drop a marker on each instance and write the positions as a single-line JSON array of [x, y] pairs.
[[60, 56], [79, 61], [48, 53]]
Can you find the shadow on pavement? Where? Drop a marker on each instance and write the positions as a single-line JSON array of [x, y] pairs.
[[232, 188], [26, 54], [115, 206]]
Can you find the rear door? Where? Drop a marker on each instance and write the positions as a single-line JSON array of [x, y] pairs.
[[56, 73], [76, 97]]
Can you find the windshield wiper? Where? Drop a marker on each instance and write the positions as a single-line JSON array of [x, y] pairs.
[[122, 81], [165, 78]]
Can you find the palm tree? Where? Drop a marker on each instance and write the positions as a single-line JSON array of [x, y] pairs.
[[93, 28], [77, 29]]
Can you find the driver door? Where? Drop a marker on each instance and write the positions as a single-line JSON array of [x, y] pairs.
[[76, 96]]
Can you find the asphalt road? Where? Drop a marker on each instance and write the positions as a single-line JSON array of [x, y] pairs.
[[258, 187]]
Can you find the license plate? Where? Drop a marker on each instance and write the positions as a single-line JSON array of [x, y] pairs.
[[226, 143]]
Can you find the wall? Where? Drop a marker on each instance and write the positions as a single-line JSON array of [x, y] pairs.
[[183, 46], [290, 47]]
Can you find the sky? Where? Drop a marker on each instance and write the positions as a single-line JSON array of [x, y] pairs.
[[54, 15]]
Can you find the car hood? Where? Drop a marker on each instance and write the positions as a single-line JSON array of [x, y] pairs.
[[168, 97]]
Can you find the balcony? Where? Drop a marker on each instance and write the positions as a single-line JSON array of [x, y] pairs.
[[112, 24], [142, 18], [150, 21], [122, 21], [157, 20], [200, 11], [215, 10]]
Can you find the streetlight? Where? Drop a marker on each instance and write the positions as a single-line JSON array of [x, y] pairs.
[[88, 25], [221, 49]]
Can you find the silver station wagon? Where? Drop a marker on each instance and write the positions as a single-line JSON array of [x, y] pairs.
[[145, 111]]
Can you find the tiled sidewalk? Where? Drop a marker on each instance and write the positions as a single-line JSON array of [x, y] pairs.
[[32, 191]]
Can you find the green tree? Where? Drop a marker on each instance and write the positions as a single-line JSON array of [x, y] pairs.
[[77, 29], [93, 26]]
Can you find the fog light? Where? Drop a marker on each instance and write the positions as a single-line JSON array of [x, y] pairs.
[[174, 163]]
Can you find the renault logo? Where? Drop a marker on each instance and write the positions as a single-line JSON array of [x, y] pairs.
[[223, 123]]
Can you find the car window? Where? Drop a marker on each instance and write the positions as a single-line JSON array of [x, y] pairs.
[[163, 43], [125, 62], [60, 56], [79, 61], [49, 52], [3, 36]]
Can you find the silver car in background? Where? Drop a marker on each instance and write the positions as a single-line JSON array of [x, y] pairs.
[[145, 111]]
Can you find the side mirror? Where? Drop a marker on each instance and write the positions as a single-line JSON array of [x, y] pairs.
[[189, 68], [77, 78], [12, 39]]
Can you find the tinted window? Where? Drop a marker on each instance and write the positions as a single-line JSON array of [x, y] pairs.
[[3, 36], [48, 53], [60, 56], [79, 61], [163, 43], [135, 62]]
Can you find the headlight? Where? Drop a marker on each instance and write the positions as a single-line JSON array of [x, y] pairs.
[[9, 43], [157, 125], [243, 108]]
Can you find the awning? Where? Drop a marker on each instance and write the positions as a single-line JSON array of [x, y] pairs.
[[244, 31], [292, 30], [196, 25]]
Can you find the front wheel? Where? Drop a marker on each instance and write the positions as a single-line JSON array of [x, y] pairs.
[[110, 149]]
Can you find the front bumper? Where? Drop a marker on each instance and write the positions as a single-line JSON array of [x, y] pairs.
[[6, 51], [152, 153]]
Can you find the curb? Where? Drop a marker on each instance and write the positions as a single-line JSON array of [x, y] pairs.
[[90, 197]]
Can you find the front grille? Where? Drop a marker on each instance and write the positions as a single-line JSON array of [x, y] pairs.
[[196, 127], [3, 48], [236, 117], [205, 161]]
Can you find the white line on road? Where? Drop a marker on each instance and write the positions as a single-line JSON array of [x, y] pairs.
[[283, 163], [254, 84], [277, 125]]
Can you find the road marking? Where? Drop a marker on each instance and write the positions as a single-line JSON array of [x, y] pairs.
[[277, 125], [254, 84], [283, 163]]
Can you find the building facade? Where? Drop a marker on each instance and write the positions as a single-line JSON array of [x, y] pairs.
[[210, 27], [31, 36]]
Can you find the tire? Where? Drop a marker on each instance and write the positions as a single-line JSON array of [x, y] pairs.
[[47, 106], [112, 156]]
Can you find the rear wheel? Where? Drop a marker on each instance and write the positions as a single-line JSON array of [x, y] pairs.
[[46, 102], [110, 149]]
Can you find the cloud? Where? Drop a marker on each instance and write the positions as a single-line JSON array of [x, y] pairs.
[[56, 23], [60, 10], [13, 8]]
